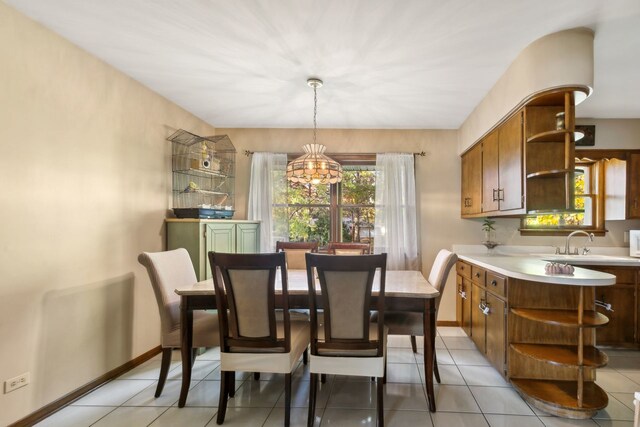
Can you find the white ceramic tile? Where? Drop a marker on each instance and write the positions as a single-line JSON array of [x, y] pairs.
[[625, 398], [130, 417], [565, 422], [482, 376], [192, 417], [212, 353], [349, 417], [300, 394], [200, 370], [614, 423], [205, 393], [114, 393], [405, 396], [612, 381], [500, 400], [243, 417], [355, 395], [451, 419], [170, 395], [407, 418], [455, 398], [615, 410], [449, 374], [240, 376], [76, 416], [468, 357], [258, 394], [403, 373], [622, 353], [298, 417], [149, 370], [400, 355], [496, 420], [451, 331], [459, 343], [632, 375], [623, 363]]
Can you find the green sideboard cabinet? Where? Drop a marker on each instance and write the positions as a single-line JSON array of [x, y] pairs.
[[200, 236]]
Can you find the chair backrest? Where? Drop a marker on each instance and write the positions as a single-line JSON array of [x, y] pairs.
[[245, 297], [294, 253], [345, 295], [444, 262], [340, 248], [168, 270]]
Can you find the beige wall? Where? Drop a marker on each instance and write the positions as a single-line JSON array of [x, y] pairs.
[[84, 169]]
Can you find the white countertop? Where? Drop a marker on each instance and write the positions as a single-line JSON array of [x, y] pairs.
[[532, 268]]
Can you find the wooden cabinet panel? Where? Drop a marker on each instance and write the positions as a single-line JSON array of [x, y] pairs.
[[478, 322], [510, 163], [463, 269], [478, 275], [633, 192], [472, 181], [248, 238], [496, 332], [496, 284], [220, 238], [620, 328], [463, 304], [490, 165]]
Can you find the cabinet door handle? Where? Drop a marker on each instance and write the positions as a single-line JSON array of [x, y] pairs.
[[500, 197], [494, 283], [495, 195], [462, 293]]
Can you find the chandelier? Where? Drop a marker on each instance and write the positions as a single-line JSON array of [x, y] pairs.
[[314, 167]]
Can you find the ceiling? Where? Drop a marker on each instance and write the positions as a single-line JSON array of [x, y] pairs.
[[410, 64]]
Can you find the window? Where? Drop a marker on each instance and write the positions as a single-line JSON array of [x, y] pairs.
[[338, 212], [588, 204]]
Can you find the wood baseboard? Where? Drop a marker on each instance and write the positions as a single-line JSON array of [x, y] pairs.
[[447, 323], [60, 403]]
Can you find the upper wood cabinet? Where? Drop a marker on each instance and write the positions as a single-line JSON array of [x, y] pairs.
[[472, 181], [527, 162], [633, 180]]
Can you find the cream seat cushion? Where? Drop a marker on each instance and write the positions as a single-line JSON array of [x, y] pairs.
[[205, 330], [403, 322], [296, 258]]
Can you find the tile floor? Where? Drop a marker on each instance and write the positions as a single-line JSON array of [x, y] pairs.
[[471, 394]]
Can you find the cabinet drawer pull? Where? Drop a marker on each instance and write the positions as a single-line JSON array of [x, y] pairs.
[[495, 195], [500, 197], [494, 283], [478, 275]]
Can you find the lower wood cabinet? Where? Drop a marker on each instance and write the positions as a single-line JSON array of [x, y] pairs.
[[495, 330], [464, 306], [200, 236], [478, 319]]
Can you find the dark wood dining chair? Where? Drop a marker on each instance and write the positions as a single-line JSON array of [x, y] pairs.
[[254, 336], [343, 340], [412, 324], [295, 251], [351, 248], [167, 271]]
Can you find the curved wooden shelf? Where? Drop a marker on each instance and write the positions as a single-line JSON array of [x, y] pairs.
[[555, 136], [559, 397], [562, 355], [550, 173], [591, 319]]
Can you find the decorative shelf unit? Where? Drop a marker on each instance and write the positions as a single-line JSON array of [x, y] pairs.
[[550, 152], [555, 372], [203, 175]]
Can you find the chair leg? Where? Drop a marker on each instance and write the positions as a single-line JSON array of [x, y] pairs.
[[287, 399], [194, 352], [224, 394], [414, 345], [384, 376], [323, 378], [313, 387], [380, 408], [232, 383], [256, 376], [436, 373], [305, 357], [164, 370]]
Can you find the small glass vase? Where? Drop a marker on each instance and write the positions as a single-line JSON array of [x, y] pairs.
[[489, 240]]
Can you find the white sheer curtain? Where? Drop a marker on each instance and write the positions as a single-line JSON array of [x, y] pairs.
[[268, 184], [396, 228]]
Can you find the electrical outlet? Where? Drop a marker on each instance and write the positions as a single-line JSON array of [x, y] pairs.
[[16, 382]]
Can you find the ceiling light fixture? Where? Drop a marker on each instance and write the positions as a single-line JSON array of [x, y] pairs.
[[314, 167]]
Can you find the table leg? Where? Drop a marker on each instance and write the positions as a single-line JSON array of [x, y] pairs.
[[186, 334], [429, 349]]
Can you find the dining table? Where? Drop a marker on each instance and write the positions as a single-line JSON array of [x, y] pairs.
[[405, 290]]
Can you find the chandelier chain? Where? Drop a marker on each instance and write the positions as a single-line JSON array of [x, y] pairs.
[[315, 114]]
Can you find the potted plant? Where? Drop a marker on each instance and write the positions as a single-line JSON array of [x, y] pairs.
[[489, 229]]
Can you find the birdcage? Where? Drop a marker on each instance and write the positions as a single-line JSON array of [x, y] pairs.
[[203, 175]]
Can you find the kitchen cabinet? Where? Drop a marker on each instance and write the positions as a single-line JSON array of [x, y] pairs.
[[633, 185], [200, 236], [527, 161], [463, 305], [472, 181]]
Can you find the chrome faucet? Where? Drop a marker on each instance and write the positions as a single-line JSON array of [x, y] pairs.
[[567, 247]]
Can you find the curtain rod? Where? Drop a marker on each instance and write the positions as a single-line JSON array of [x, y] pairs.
[[421, 153]]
